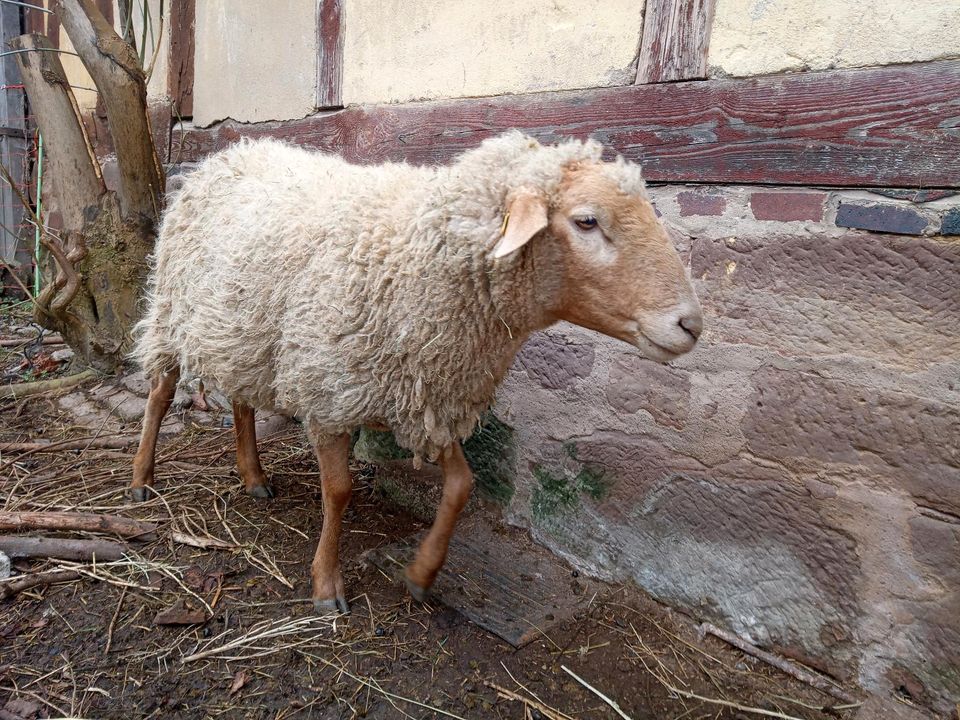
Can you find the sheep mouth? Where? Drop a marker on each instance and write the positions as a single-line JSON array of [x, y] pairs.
[[653, 350]]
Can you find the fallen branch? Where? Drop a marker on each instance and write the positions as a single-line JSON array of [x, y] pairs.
[[596, 692], [119, 442], [17, 546], [14, 586], [19, 390], [17, 342], [87, 522], [782, 664]]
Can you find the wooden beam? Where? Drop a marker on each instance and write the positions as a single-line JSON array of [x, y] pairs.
[[180, 72], [330, 55], [676, 38], [884, 127]]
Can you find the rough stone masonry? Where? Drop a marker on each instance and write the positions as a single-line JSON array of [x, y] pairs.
[[797, 477]]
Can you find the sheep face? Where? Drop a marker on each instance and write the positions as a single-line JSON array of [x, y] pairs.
[[622, 275]]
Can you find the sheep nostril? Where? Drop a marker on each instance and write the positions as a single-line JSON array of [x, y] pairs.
[[692, 324]]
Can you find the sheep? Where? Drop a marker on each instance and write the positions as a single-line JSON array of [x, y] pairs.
[[396, 296]]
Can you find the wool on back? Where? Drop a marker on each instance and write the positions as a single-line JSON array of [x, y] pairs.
[[346, 294]]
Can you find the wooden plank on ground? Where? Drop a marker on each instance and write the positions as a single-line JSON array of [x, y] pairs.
[[886, 127], [676, 39], [513, 589]]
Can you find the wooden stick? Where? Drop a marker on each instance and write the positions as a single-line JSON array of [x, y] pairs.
[[596, 692], [782, 664], [88, 522], [9, 588], [17, 342], [17, 546], [19, 390], [119, 442]]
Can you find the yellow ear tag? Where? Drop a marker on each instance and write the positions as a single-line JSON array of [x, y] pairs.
[[503, 228]]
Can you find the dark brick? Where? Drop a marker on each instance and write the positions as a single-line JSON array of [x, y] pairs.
[[788, 206], [887, 297], [908, 441], [698, 203], [554, 362], [881, 218], [951, 222], [917, 196]]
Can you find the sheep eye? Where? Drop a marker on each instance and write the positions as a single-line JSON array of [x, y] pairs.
[[586, 223]]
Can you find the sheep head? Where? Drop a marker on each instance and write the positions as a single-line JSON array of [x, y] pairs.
[[622, 276]]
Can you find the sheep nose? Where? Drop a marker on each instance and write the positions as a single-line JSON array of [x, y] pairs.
[[692, 323]]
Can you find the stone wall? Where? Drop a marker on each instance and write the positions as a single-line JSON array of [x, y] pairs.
[[797, 477]]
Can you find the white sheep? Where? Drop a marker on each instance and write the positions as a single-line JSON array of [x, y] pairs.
[[395, 296]]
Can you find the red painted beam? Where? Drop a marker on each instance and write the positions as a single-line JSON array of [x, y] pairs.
[[894, 127]]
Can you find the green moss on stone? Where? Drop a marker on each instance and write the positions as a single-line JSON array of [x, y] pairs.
[[558, 490], [378, 446], [491, 452]]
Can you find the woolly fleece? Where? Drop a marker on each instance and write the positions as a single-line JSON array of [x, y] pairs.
[[346, 295]]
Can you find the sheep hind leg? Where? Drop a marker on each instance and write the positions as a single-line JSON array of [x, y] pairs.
[[457, 485], [248, 459], [162, 390], [336, 487]]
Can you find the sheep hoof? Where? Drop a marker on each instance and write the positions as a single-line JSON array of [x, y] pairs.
[[264, 492], [141, 494], [322, 607], [419, 593]]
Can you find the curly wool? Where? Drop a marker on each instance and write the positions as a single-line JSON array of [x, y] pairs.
[[345, 294]]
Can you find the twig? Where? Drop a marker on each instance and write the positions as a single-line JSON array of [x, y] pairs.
[[715, 701], [204, 543], [781, 664], [88, 522], [258, 632], [9, 588], [539, 706], [18, 546], [19, 390], [374, 686], [113, 621], [596, 692]]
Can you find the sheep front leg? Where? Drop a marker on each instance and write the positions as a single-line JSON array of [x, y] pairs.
[[336, 486], [457, 484], [248, 459], [162, 390]]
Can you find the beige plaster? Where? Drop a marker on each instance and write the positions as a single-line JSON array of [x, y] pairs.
[[254, 60], [759, 37], [400, 50]]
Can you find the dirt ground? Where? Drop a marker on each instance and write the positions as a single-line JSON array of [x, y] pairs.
[[91, 647]]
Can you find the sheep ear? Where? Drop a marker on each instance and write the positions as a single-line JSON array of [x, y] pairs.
[[526, 216]]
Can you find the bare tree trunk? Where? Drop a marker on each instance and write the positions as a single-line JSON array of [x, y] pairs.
[[101, 252]]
